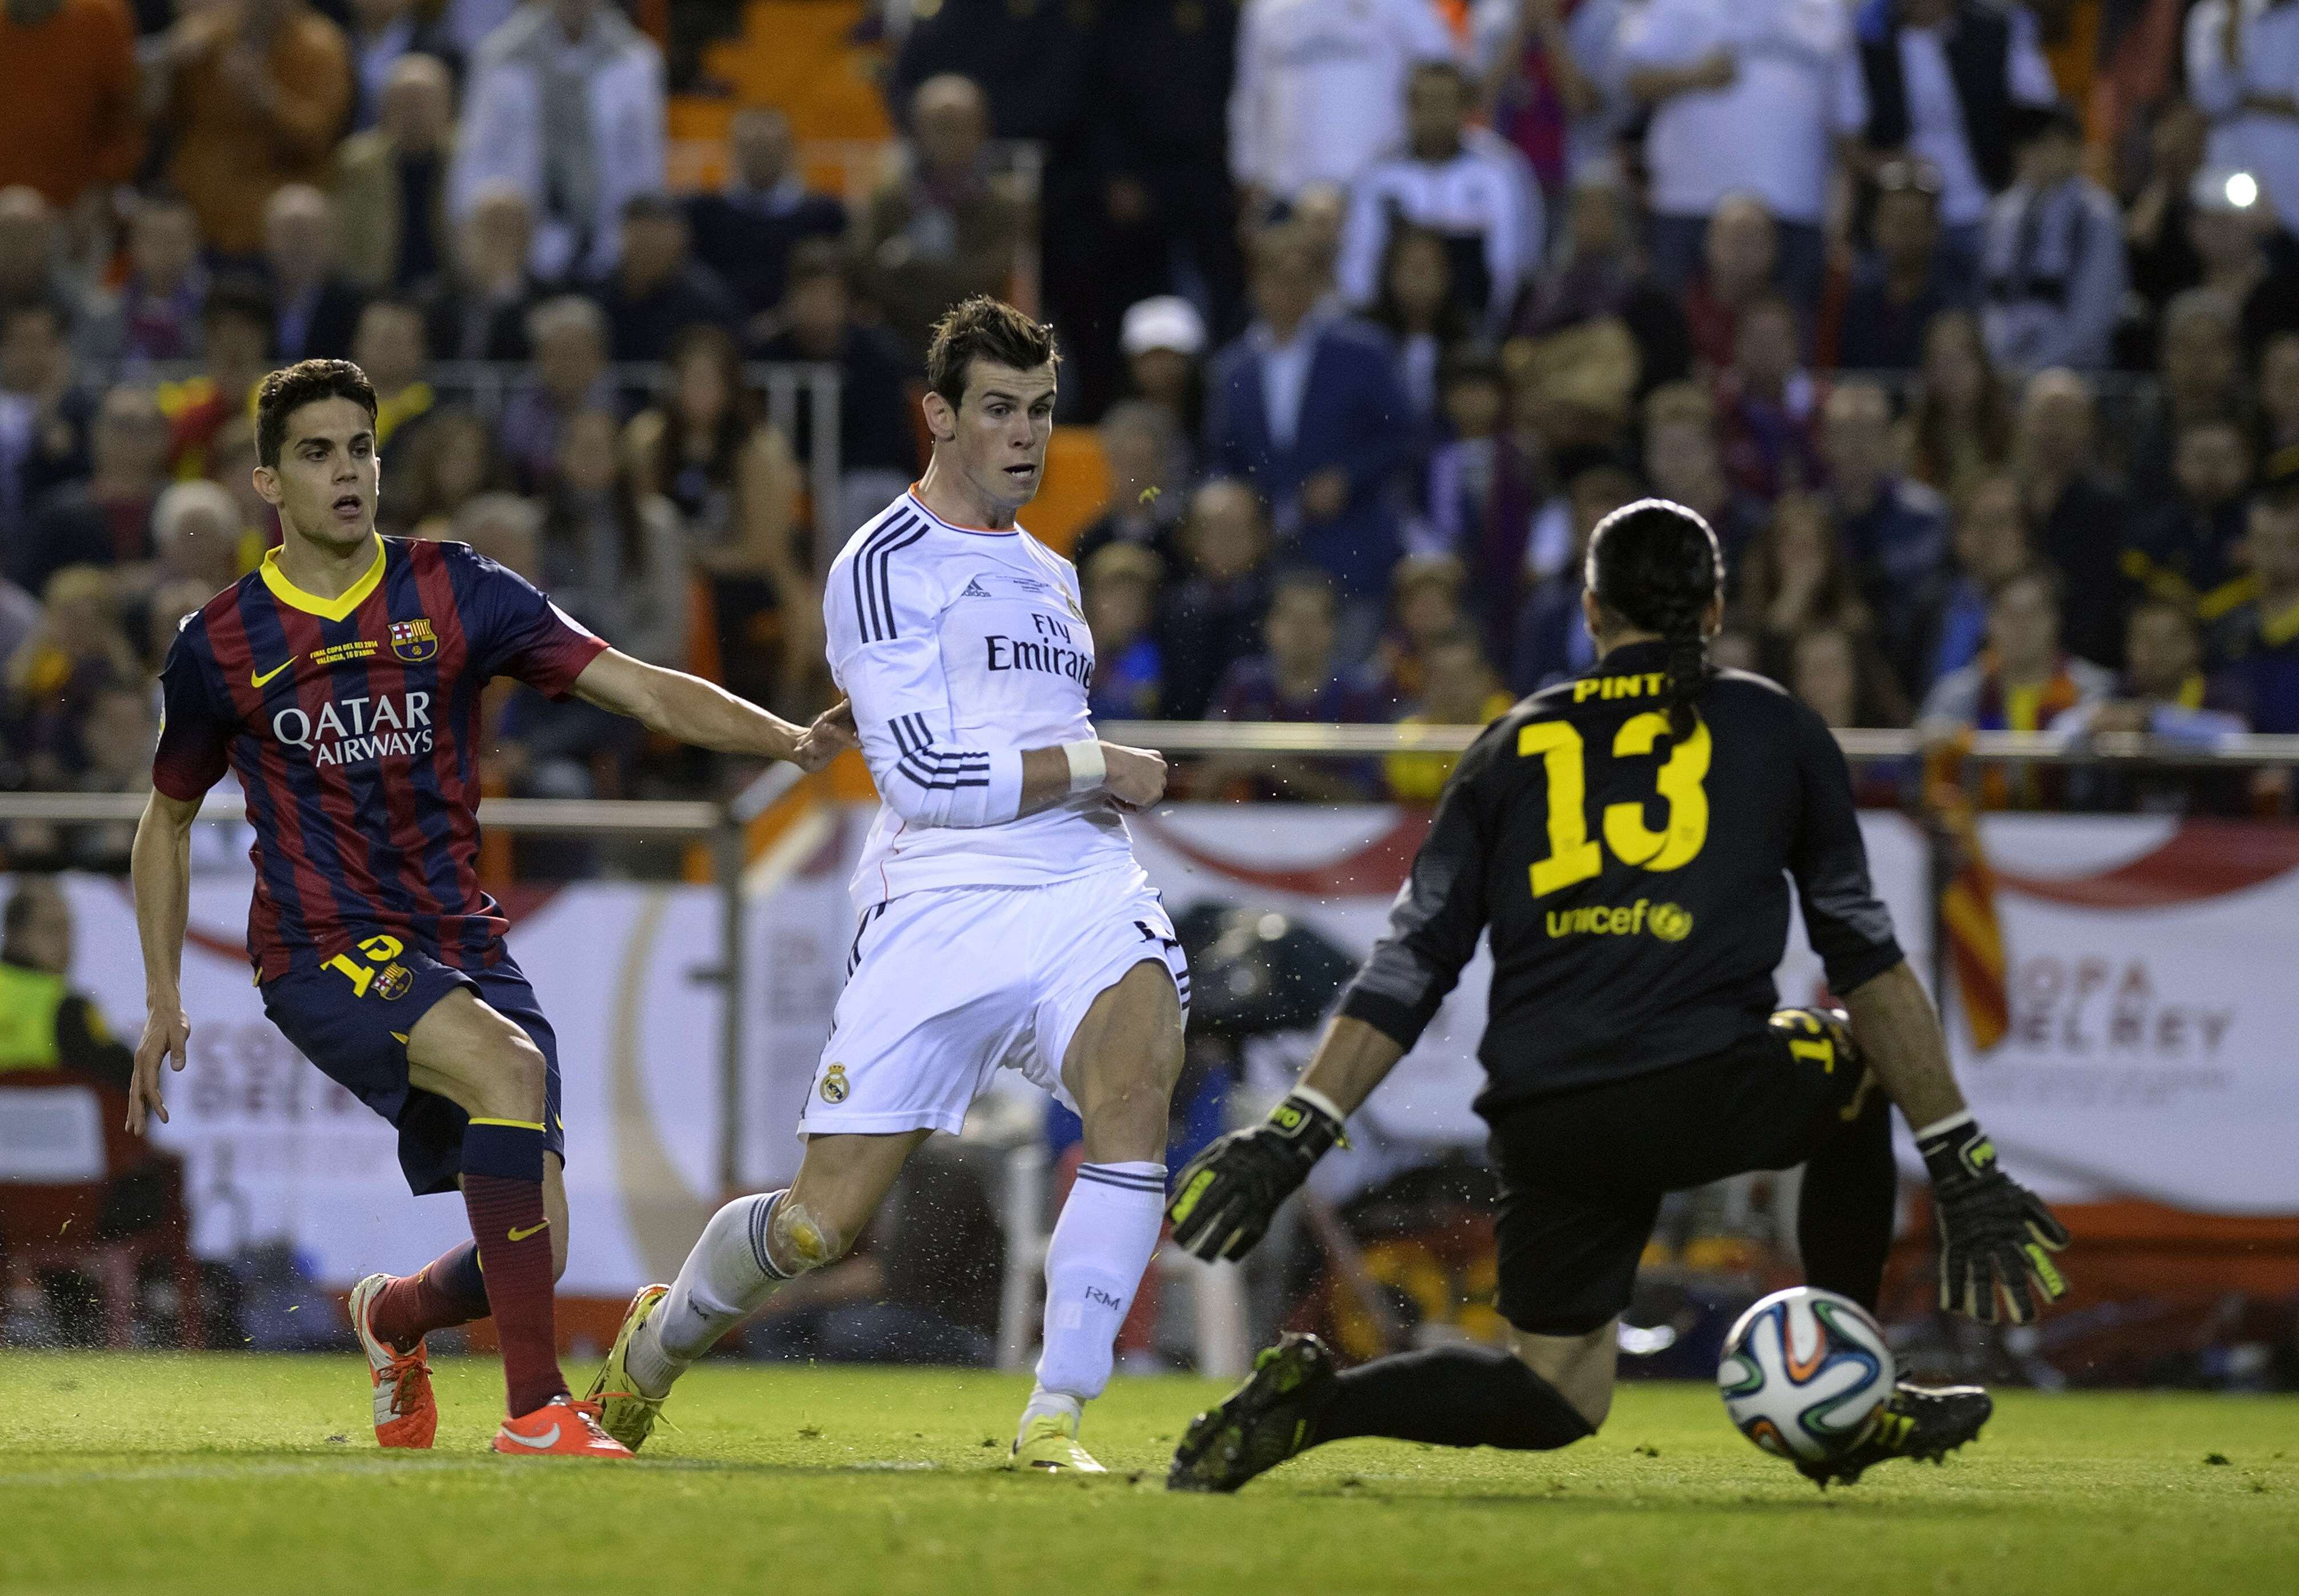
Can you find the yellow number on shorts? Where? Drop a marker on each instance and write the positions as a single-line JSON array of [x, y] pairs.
[[379, 949], [1573, 855]]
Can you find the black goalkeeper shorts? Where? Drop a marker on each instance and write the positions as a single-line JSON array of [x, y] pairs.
[[1583, 1172]]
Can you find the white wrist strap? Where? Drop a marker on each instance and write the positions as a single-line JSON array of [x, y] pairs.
[[1089, 767], [1956, 1121], [1318, 1100]]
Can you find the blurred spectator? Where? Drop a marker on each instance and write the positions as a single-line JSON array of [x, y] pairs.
[[196, 537], [381, 35], [2053, 260], [166, 286], [746, 231], [2162, 691], [1959, 420], [1798, 578], [2155, 223], [235, 338], [231, 465], [2278, 397], [1462, 488], [315, 308], [1425, 604], [1681, 458], [44, 414], [1835, 670], [1990, 539], [1143, 508], [480, 305], [1031, 63], [2243, 74], [569, 336], [68, 108], [107, 519], [942, 227], [2256, 645], [1121, 607], [1551, 78], [1163, 339], [164, 616], [1552, 641], [2186, 548], [32, 271], [1473, 191], [1739, 257], [257, 95], [55, 677], [391, 181], [705, 447], [1900, 284], [2079, 520], [52, 1025], [1421, 313], [1458, 689], [451, 461], [2230, 231], [2202, 378], [1747, 98], [877, 442], [1320, 91], [1213, 615], [657, 290], [1302, 676], [1307, 407], [20, 618], [2023, 681], [614, 558], [1598, 272], [1767, 405], [504, 527], [565, 103], [389, 348], [1945, 80], [1894, 530]]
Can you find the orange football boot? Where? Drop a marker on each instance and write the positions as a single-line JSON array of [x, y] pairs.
[[406, 1415], [563, 1427]]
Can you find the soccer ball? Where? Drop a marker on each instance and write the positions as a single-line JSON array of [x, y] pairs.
[[1804, 1373]]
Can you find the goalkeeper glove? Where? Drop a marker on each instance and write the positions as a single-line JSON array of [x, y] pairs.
[[1228, 1193], [1995, 1235]]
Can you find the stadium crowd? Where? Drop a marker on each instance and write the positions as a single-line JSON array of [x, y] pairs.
[[1973, 329]]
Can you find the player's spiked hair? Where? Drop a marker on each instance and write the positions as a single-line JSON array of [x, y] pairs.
[[1655, 565], [292, 387], [992, 329]]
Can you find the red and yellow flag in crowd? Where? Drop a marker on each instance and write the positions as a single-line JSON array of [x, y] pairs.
[[1967, 900]]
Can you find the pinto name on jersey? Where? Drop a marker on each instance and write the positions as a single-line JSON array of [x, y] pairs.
[[352, 730]]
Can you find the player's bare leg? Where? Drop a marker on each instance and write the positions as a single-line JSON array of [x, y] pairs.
[[1120, 1067], [746, 1253], [476, 1057]]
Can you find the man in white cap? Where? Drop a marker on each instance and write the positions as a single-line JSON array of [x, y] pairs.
[[1163, 339]]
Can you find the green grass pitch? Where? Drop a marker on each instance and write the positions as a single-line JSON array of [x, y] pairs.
[[246, 1473]]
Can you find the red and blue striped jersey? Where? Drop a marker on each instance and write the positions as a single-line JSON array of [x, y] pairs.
[[352, 725]]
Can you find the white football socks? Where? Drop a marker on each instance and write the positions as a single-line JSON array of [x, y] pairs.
[[725, 1279], [1101, 1243]]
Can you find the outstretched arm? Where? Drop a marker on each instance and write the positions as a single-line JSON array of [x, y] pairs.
[[160, 867], [706, 716]]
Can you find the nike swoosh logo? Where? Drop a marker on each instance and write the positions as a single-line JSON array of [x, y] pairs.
[[259, 681], [518, 1235], [549, 1437]]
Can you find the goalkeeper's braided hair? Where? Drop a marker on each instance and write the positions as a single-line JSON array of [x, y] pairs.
[[1655, 565]]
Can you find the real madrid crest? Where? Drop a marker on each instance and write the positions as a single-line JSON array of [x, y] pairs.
[[833, 1084]]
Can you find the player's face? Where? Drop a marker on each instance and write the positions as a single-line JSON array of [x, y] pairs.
[[998, 432], [327, 480]]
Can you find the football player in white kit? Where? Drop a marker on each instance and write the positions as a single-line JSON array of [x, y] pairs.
[[1002, 919]]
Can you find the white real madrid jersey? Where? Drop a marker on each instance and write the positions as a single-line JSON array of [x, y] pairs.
[[960, 648]]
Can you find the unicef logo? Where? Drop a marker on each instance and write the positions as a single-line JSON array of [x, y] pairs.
[[1669, 923]]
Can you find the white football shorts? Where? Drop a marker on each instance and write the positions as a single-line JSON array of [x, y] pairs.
[[947, 985]]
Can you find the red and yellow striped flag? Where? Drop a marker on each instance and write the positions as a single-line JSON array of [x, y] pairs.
[[1967, 901]]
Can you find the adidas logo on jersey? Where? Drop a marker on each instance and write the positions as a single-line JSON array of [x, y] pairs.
[[973, 588]]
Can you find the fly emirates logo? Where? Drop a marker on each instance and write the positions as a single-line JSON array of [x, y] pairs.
[[354, 730]]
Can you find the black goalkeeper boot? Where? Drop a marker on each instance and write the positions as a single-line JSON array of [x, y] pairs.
[[1921, 1421], [1261, 1423]]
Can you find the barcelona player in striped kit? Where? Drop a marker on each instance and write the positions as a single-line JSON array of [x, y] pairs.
[[340, 683]]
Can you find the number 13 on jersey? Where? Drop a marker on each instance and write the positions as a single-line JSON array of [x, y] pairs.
[[1573, 855]]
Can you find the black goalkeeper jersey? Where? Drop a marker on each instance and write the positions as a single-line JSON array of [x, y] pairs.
[[1636, 886]]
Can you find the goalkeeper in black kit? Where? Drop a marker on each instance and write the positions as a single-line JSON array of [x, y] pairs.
[[1628, 839]]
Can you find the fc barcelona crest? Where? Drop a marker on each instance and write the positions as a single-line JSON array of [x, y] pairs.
[[413, 641]]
